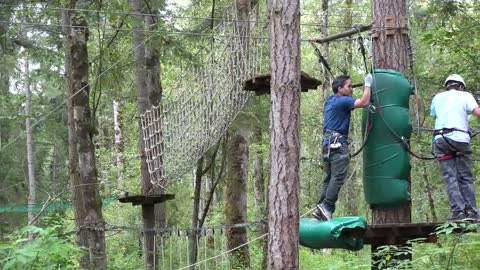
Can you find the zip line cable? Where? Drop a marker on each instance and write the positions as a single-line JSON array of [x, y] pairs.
[[94, 27]]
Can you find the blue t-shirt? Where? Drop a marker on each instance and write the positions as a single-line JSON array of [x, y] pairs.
[[337, 111]]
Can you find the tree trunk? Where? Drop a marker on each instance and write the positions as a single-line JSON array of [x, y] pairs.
[[30, 154], [149, 91], [283, 220], [236, 198], [119, 161], [259, 190], [194, 235], [389, 46], [325, 46], [5, 16], [428, 190], [389, 52], [86, 198]]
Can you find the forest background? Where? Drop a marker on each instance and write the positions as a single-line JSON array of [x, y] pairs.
[[445, 37]]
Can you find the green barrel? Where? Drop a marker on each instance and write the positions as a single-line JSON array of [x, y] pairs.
[[386, 163], [344, 232]]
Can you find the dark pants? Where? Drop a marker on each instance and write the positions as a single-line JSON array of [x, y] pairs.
[[457, 173], [335, 163]]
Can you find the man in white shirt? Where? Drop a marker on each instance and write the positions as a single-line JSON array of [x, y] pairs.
[[452, 148]]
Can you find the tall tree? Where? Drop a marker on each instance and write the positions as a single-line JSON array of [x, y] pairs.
[[5, 49], [389, 45], [283, 219], [237, 159], [83, 173], [149, 91], [236, 198], [30, 154], [259, 190]]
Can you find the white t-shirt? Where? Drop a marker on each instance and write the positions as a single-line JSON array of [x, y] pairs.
[[451, 109]]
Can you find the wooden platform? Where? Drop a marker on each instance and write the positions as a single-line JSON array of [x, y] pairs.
[[261, 84], [146, 199], [400, 233]]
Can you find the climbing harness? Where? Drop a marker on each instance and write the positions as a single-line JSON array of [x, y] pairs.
[[323, 61]]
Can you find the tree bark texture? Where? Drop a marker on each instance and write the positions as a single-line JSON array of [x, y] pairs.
[[30, 154], [283, 219], [86, 198], [389, 52], [389, 44], [259, 190], [194, 235], [389, 47], [149, 91], [236, 198]]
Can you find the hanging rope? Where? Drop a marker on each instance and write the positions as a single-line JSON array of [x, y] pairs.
[[371, 109], [322, 60], [362, 50]]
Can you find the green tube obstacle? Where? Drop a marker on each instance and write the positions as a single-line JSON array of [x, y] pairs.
[[386, 162], [344, 232]]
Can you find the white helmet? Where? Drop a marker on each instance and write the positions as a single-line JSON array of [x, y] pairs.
[[456, 78]]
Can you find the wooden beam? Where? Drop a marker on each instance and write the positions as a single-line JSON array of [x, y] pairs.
[[146, 199], [400, 233], [353, 31]]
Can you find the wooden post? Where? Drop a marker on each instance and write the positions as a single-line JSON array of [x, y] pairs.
[[353, 31], [148, 203], [148, 217]]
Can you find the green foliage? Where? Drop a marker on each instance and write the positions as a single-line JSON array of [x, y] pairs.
[[49, 250], [457, 248]]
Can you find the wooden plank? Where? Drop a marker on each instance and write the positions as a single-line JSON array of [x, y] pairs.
[[146, 199], [261, 84], [353, 31], [400, 233]]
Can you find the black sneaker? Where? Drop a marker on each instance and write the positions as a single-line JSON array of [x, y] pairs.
[[457, 216], [472, 215], [321, 213]]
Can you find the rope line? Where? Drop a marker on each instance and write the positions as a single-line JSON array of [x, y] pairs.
[[94, 27], [124, 13], [235, 248]]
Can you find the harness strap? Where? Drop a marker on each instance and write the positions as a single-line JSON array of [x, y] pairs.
[[449, 156], [444, 131]]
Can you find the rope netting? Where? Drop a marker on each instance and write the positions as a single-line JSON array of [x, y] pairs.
[[203, 101]]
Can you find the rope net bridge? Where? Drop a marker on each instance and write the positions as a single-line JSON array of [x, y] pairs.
[[205, 100]]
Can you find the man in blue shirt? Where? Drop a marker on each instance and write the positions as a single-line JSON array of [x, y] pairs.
[[452, 146], [335, 154]]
